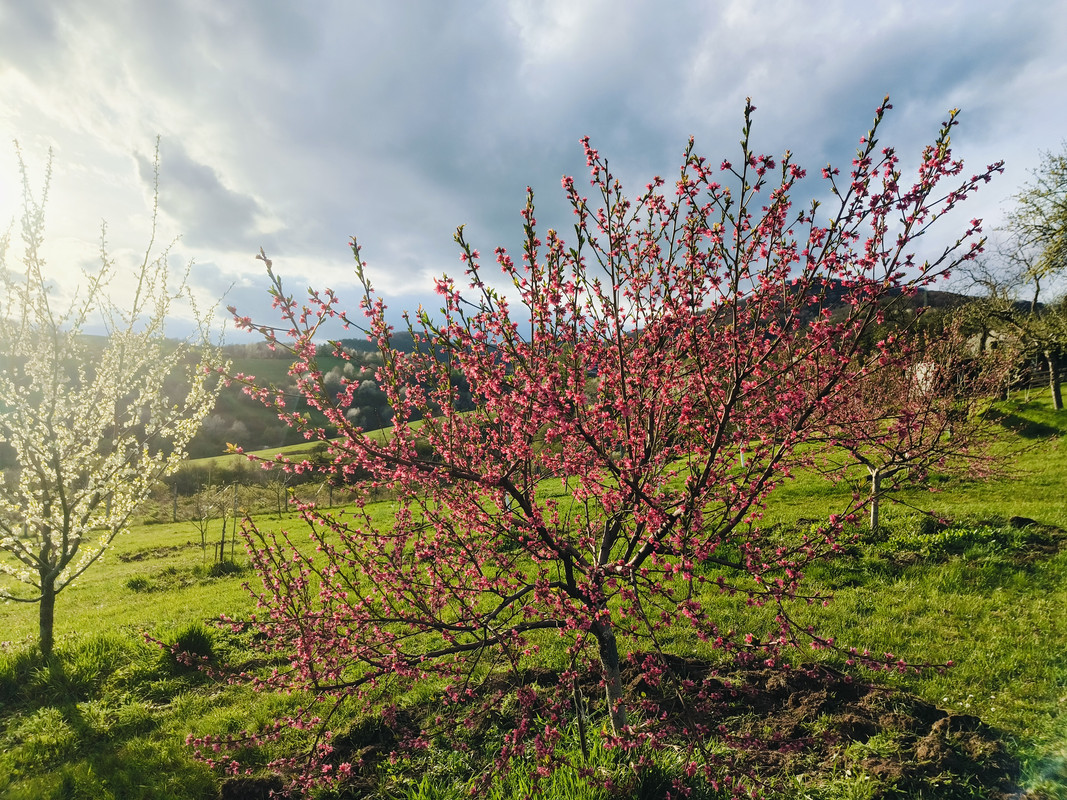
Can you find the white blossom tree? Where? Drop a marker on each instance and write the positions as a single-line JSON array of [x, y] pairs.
[[88, 423]]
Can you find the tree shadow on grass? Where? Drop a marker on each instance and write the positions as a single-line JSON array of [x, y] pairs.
[[68, 733], [1021, 426]]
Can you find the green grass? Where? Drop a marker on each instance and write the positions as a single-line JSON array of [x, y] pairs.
[[295, 452], [109, 717], [105, 599]]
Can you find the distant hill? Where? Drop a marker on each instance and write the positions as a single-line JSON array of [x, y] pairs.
[[402, 342], [241, 420]]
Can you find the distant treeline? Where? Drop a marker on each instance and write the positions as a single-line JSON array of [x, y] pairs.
[[244, 421]]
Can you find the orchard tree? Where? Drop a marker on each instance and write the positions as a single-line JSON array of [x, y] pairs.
[[208, 505], [595, 500], [1037, 225], [1031, 260], [1011, 312], [89, 423], [922, 406]]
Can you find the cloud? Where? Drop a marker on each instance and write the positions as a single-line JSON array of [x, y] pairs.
[[28, 33], [195, 197], [294, 126]]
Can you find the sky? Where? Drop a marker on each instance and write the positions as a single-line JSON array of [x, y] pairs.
[[293, 126]]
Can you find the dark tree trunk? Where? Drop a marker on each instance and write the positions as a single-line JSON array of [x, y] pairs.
[[609, 660], [47, 615]]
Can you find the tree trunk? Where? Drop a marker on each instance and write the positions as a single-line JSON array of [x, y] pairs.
[[609, 660], [222, 545], [1054, 381], [47, 615], [233, 534], [876, 496]]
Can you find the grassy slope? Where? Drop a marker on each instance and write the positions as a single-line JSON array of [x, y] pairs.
[[999, 616], [295, 452]]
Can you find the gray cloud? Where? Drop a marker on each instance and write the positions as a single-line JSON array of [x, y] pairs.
[[211, 213], [293, 126], [28, 34]]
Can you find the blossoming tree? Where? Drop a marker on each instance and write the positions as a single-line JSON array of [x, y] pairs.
[[88, 423], [639, 391]]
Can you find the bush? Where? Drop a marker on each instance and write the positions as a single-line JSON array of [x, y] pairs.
[[222, 569], [139, 583], [193, 645]]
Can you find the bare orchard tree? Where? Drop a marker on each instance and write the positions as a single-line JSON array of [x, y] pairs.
[[922, 410], [208, 505], [1037, 226], [89, 423]]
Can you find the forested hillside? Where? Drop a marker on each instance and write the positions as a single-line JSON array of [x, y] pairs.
[[244, 421]]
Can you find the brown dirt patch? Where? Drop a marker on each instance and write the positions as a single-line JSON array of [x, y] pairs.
[[155, 552], [827, 720], [814, 722]]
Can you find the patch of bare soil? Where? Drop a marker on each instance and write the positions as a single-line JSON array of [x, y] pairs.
[[155, 552], [823, 722], [1043, 541], [809, 724], [252, 788]]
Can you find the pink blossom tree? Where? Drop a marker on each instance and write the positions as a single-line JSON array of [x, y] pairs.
[[596, 499]]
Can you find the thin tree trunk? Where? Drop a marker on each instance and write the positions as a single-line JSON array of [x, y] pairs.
[[47, 615], [876, 496], [233, 534], [1054, 381], [609, 660], [579, 711]]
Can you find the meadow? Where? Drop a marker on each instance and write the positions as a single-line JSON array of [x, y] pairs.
[[983, 584]]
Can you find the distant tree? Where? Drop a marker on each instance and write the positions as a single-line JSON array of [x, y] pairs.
[[1032, 260], [1028, 325], [1038, 225], [88, 421], [922, 407], [208, 504], [1049, 333], [279, 486], [629, 368]]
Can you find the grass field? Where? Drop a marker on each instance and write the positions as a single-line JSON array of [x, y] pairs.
[[110, 717]]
